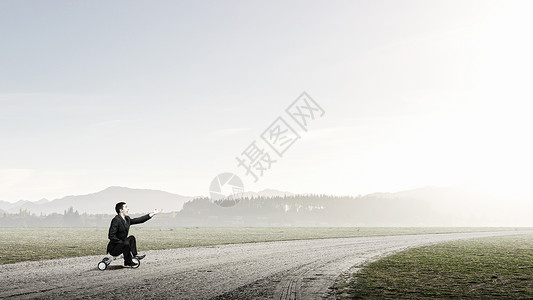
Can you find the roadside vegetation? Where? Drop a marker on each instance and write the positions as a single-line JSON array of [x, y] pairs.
[[483, 268], [22, 244]]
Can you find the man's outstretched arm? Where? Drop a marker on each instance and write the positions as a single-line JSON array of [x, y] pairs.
[[145, 217]]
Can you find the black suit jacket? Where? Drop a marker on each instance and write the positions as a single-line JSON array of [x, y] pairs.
[[118, 231]]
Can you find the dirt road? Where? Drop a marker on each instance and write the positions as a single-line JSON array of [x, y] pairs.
[[302, 269]]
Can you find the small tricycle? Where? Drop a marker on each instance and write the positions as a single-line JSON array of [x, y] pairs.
[[107, 260]]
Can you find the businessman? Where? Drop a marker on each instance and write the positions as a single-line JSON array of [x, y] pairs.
[[119, 241]]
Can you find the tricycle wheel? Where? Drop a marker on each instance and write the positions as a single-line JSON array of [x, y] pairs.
[[138, 262]]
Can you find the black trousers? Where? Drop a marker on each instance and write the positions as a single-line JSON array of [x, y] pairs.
[[128, 247]]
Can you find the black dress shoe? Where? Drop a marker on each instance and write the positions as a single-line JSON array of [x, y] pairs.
[[130, 264], [139, 257]]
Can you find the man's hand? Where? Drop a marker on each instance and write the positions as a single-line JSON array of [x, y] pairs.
[[155, 212]]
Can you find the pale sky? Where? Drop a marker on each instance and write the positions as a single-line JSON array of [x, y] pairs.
[[165, 94]]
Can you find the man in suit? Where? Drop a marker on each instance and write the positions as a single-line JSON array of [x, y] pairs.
[[119, 241]]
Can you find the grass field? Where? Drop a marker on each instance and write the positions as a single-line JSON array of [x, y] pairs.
[[22, 244], [485, 268]]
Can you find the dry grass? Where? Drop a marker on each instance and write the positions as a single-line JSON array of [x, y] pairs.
[[21, 244], [486, 268]]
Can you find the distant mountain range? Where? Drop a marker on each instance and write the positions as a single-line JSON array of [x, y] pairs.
[[103, 202], [459, 205]]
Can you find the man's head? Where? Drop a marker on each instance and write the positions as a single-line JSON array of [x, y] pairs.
[[122, 209]]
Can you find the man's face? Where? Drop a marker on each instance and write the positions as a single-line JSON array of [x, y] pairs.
[[125, 210]]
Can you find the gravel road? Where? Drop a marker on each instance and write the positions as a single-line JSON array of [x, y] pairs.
[[303, 269]]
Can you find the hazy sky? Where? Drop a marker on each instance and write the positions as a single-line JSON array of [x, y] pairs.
[[166, 94]]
